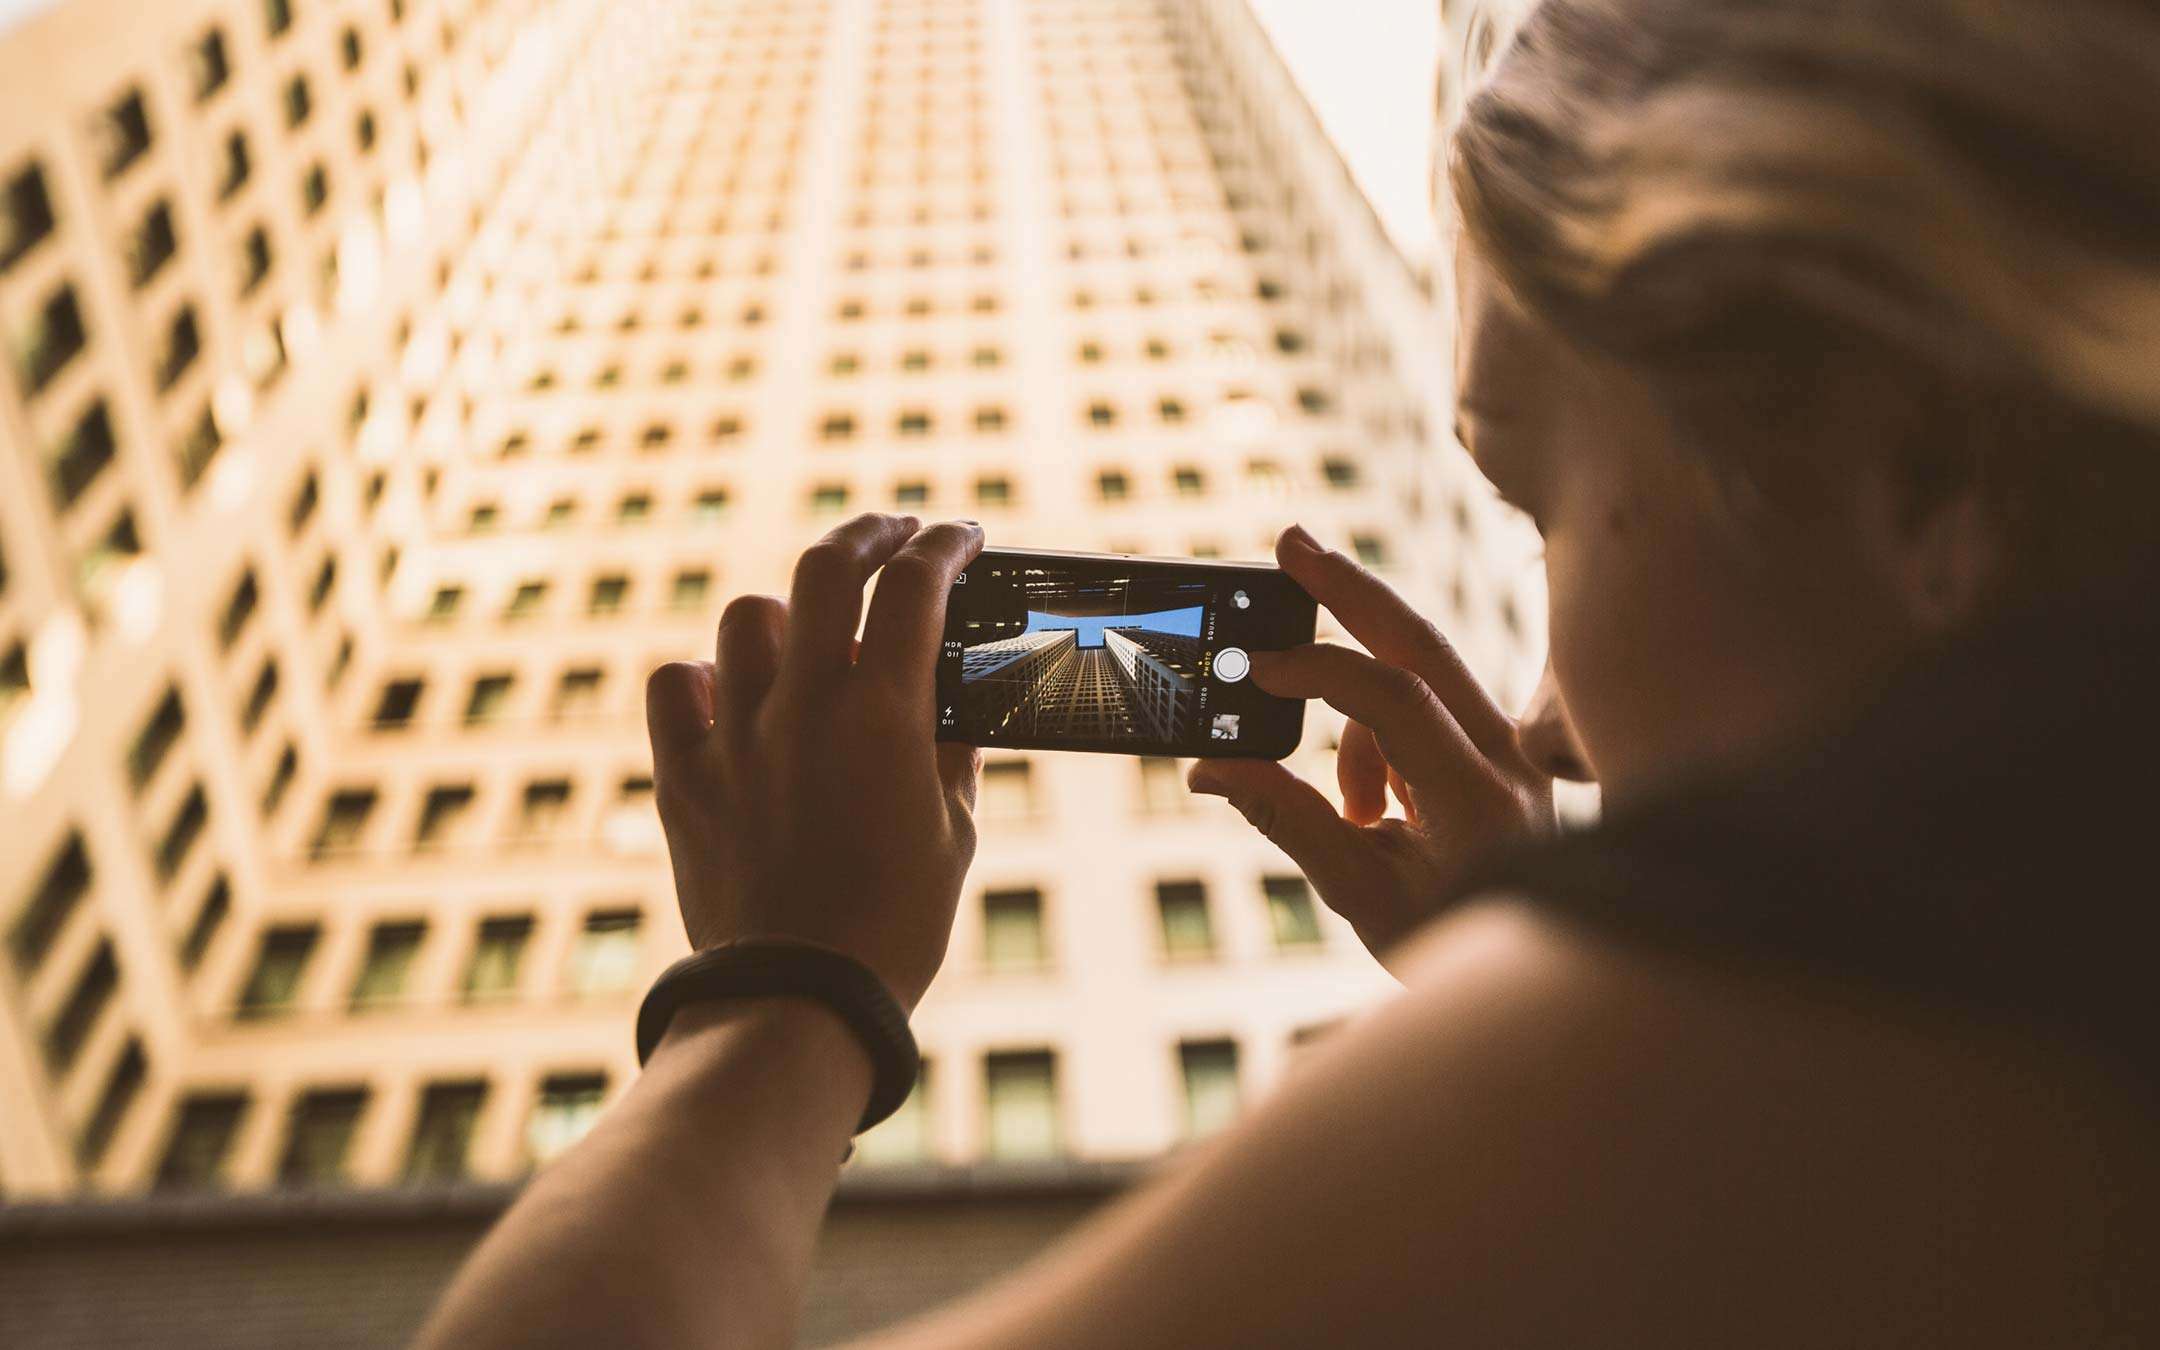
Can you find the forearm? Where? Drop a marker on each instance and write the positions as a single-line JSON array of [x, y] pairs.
[[689, 1214]]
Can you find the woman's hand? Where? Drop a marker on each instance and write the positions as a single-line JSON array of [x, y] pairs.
[[1421, 727], [800, 782]]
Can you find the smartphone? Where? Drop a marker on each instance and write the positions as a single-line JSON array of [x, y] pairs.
[[1119, 655]]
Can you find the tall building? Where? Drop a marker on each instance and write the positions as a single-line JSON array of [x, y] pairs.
[[395, 382]]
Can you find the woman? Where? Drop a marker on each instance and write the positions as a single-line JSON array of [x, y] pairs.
[[1821, 338]]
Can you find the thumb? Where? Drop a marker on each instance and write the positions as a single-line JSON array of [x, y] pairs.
[[1293, 815]]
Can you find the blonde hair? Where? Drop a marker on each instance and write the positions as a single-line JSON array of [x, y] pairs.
[[1969, 189]]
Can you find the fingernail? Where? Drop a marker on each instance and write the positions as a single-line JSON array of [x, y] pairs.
[[1297, 536]]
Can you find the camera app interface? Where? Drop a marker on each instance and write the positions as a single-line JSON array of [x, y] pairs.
[[1113, 654]]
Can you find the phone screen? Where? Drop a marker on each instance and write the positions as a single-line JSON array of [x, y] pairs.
[[1133, 656]]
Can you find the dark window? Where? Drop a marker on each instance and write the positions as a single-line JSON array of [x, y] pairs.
[[567, 1107], [239, 609], [489, 695], [1210, 1072], [314, 188], [121, 1089], [1187, 931], [209, 921], [237, 165], [304, 503], [440, 813], [443, 1131], [59, 893], [259, 697], [156, 739], [498, 952], [1290, 912], [350, 49], [345, 816], [183, 343], [277, 17], [325, 582], [390, 953], [255, 259], [197, 448], [318, 1134], [278, 968], [201, 1137], [71, 1026], [26, 215], [52, 340], [121, 134], [151, 244], [180, 836], [208, 68], [298, 101], [281, 779], [82, 455]]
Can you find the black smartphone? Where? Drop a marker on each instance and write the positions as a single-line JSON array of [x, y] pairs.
[[1119, 655]]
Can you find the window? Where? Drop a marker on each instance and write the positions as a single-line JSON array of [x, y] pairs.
[[298, 102], [1112, 485], [399, 699], [577, 693], [608, 594], [606, 957], [121, 134], [1290, 912], [1020, 1092], [545, 805], [1171, 411], [1008, 790], [1371, 549], [1210, 1073], [913, 422], [710, 506], [560, 513], [492, 970], [210, 919], [151, 244], [349, 48], [1188, 481], [318, 1134], [911, 492], [259, 697], [121, 1089], [444, 605], [344, 819], [391, 950], [1013, 931], [1091, 353], [182, 344], [1101, 416], [490, 695], [443, 1130], [1314, 402], [237, 165], [829, 497], [201, 1136], [984, 357], [1162, 785], [993, 490], [526, 601], [278, 968], [314, 188], [916, 361], [156, 739], [567, 1107], [180, 836], [282, 778], [904, 1136], [1187, 932], [1340, 474], [51, 340], [26, 215], [277, 17], [844, 364], [255, 259], [78, 1015], [990, 419], [81, 455], [196, 449], [238, 609], [688, 590], [446, 806]]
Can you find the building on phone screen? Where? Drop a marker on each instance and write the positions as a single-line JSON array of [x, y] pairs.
[[393, 383]]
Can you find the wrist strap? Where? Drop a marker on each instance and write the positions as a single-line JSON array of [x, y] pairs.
[[758, 967]]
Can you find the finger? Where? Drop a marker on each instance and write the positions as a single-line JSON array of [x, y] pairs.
[[1333, 853], [1413, 730], [1362, 773], [1385, 625], [746, 655], [678, 713], [907, 616], [959, 767], [826, 603]]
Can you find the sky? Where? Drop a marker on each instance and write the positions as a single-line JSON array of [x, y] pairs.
[[1369, 68], [1184, 622]]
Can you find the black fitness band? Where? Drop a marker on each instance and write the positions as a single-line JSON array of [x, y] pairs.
[[778, 966]]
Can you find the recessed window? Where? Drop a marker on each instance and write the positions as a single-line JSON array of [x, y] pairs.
[[994, 490], [1188, 481], [277, 17], [78, 1014], [526, 601], [298, 101], [837, 427], [709, 507], [915, 362], [318, 1135], [911, 492], [491, 972], [239, 609], [151, 244], [349, 48], [606, 957], [52, 339], [210, 918], [634, 509], [364, 131], [182, 344], [829, 497], [444, 604], [913, 422], [1371, 549], [1188, 934], [565, 1111], [26, 215], [202, 1136], [1020, 1093], [1209, 1070], [181, 834], [314, 188], [121, 134], [689, 590], [122, 1086], [904, 1136], [236, 165], [1340, 474], [344, 821], [279, 966], [1013, 931], [990, 420], [199, 445], [260, 695], [489, 698], [1101, 416], [160, 732], [1112, 485], [560, 513], [844, 364], [256, 259], [986, 357], [384, 971], [577, 693], [546, 804], [443, 1130], [608, 595]]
